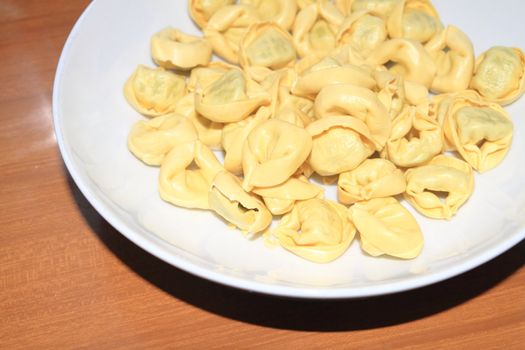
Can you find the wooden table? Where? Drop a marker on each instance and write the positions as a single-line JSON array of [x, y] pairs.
[[69, 280]]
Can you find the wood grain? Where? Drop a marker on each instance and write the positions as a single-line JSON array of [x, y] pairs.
[[69, 280]]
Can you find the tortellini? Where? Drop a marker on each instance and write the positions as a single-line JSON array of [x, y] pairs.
[[500, 74], [154, 92], [374, 178], [440, 187], [386, 227], [381, 8], [273, 152], [173, 49], [202, 10], [242, 209], [317, 230], [414, 19], [340, 143], [152, 139], [453, 54], [227, 27], [281, 12], [266, 47], [362, 31], [480, 131], [185, 187], [315, 28]]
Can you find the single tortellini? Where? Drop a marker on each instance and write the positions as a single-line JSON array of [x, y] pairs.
[[173, 49], [414, 19], [265, 48], [407, 58], [281, 12], [150, 140], [244, 210], [317, 230], [499, 75], [381, 8], [185, 187], [273, 152], [315, 28], [387, 228], [235, 134], [453, 54], [280, 199], [231, 98], [415, 139], [209, 132], [340, 143], [355, 101], [227, 27], [374, 178], [440, 187], [362, 31], [480, 131], [202, 10], [330, 72], [154, 92]]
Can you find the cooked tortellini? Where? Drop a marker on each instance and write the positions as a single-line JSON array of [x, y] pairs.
[[358, 102], [408, 58], [202, 10], [230, 98], [500, 74], [152, 139], [362, 31], [186, 187], [202, 77], [415, 139], [317, 230], [414, 19], [480, 131], [154, 92], [273, 152], [227, 27], [244, 210], [266, 47], [453, 54], [173, 49], [340, 143], [281, 198], [374, 178], [281, 12], [381, 8], [315, 28], [440, 187], [386, 227]]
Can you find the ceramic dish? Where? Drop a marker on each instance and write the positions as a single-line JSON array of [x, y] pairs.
[[92, 120]]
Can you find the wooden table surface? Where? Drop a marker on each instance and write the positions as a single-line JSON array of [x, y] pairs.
[[69, 280]]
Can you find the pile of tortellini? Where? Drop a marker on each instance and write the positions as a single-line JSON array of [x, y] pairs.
[[337, 91]]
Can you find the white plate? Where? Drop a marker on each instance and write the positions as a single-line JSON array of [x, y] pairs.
[[92, 121]]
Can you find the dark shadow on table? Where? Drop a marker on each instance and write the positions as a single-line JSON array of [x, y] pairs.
[[298, 314]]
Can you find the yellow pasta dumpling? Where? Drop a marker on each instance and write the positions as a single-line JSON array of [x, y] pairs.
[[414, 19], [227, 27], [440, 187], [154, 92], [150, 140], [317, 230], [340, 143], [273, 152], [453, 54], [281, 12], [381, 8], [230, 98], [173, 49], [315, 28], [244, 210], [202, 77], [186, 187], [374, 178], [387, 228], [499, 75], [362, 31], [202, 10]]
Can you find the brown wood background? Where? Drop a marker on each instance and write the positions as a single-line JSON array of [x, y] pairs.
[[69, 280]]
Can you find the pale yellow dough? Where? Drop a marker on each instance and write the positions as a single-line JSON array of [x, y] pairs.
[[202, 10], [317, 230], [381, 8], [362, 31], [282, 12], [414, 19], [387, 228]]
